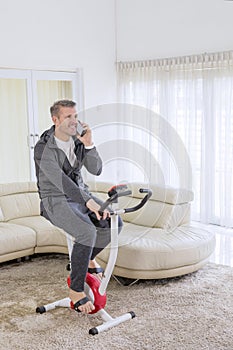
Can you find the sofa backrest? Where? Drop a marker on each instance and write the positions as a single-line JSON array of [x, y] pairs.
[[167, 208], [19, 199]]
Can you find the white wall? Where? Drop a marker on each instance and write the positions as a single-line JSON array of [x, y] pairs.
[[62, 35], [149, 29], [58, 34]]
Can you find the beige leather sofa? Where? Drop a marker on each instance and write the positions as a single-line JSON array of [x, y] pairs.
[[23, 231], [156, 242]]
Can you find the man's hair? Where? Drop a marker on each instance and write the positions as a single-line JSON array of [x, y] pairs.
[[55, 108]]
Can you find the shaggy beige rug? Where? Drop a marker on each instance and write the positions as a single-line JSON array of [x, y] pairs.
[[192, 312]]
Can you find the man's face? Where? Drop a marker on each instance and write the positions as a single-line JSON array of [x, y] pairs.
[[66, 122]]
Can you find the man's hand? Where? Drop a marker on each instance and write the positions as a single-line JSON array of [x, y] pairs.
[[95, 207], [87, 138]]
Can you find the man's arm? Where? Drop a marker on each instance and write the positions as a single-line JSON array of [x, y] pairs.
[[91, 158], [92, 161]]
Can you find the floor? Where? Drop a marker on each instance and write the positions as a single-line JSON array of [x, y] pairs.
[[223, 253]]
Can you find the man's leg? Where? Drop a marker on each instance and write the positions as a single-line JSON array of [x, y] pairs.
[[73, 219], [79, 263], [83, 257], [103, 238]]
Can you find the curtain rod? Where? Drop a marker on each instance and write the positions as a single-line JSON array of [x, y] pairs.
[[171, 61]]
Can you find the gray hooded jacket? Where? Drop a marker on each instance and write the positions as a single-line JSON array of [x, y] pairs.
[[55, 175]]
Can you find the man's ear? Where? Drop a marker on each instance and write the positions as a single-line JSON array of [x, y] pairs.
[[54, 119]]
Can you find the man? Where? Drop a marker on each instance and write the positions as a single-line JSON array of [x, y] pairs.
[[65, 200]]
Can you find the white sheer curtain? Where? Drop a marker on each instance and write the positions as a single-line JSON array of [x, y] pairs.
[[195, 96]]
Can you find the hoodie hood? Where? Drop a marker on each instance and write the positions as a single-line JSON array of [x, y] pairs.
[[47, 133]]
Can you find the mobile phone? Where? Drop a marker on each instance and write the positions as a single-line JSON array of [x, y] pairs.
[[80, 129]]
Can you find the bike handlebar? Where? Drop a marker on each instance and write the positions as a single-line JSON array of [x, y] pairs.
[[143, 201], [116, 195]]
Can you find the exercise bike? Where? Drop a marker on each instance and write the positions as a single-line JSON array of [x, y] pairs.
[[94, 288]]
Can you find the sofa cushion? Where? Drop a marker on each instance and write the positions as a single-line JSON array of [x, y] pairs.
[[17, 187], [156, 214], [20, 205], [18, 199], [46, 233], [166, 208], [143, 248], [163, 194], [1, 215], [15, 238]]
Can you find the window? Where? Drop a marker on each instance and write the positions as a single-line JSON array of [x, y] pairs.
[[195, 95], [25, 98]]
